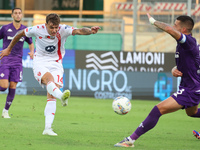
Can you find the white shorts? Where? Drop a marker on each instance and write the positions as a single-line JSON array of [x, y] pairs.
[[55, 68]]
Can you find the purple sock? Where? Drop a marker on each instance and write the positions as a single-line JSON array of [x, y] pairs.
[[197, 115], [147, 124], [2, 89], [10, 97]]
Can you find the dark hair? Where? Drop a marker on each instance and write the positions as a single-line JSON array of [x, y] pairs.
[[15, 9], [53, 18], [187, 22]]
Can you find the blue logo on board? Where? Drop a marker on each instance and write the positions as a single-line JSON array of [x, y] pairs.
[[163, 86]]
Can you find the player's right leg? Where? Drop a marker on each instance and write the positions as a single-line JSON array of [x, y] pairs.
[[51, 75], [4, 74], [53, 90], [167, 106], [3, 87]]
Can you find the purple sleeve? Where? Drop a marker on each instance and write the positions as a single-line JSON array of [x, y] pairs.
[[187, 42], [29, 40], [1, 32]]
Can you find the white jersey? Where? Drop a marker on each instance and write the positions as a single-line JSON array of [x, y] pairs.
[[49, 48]]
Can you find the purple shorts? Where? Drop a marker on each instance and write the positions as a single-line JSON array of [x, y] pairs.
[[186, 97], [12, 73]]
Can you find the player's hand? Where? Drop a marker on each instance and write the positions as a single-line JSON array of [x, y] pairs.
[[176, 72], [151, 19], [95, 29], [4, 52], [149, 16], [31, 54]]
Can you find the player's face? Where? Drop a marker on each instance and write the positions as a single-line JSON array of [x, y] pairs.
[[17, 15], [51, 28], [178, 26]]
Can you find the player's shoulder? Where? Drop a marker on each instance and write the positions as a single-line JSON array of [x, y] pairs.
[[39, 27], [67, 26], [23, 26], [7, 26], [190, 38]]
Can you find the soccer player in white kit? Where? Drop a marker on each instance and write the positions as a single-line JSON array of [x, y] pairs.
[[47, 61]]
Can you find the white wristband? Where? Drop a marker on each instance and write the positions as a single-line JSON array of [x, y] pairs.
[[152, 20]]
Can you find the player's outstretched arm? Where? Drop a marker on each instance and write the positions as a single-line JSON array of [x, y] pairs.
[[165, 27], [86, 31], [7, 51]]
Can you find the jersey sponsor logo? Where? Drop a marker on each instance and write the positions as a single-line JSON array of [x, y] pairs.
[[10, 38], [50, 48]]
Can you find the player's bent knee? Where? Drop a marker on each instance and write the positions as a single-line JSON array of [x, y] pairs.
[[191, 114], [3, 87]]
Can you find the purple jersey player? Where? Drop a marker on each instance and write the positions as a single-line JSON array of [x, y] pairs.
[[187, 66], [11, 66]]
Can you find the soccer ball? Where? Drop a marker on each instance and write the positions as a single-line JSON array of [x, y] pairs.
[[121, 105]]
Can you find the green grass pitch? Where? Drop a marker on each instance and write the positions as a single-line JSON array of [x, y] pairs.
[[91, 124]]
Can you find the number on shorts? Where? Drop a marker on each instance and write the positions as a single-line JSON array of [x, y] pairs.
[[60, 79], [20, 76], [179, 92]]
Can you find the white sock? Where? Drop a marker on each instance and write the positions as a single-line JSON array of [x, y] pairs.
[[49, 112], [5, 110], [130, 140], [54, 90]]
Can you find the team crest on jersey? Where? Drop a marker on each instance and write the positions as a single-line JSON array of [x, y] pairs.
[[2, 75]]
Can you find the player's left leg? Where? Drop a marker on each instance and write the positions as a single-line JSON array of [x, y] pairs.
[[9, 99], [167, 106], [49, 113], [194, 112]]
